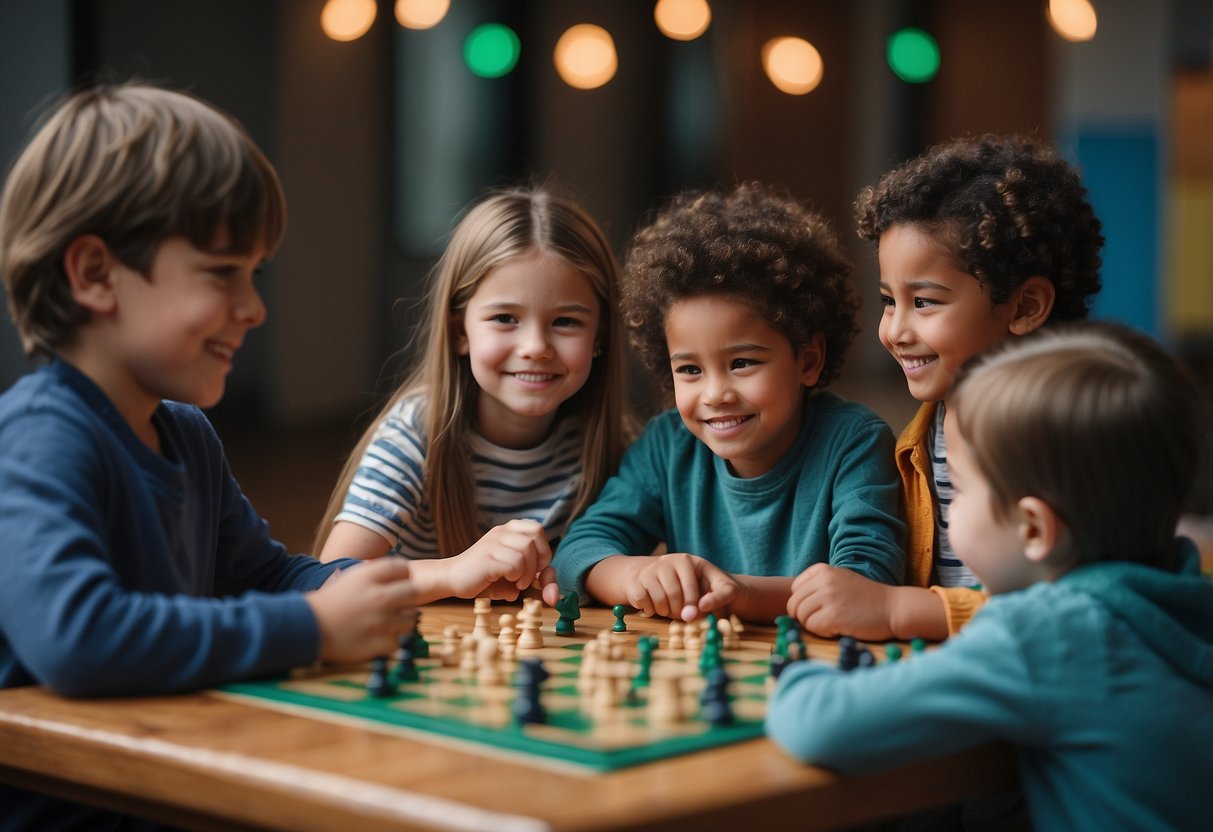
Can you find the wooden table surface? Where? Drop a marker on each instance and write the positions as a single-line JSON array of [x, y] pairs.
[[201, 761]]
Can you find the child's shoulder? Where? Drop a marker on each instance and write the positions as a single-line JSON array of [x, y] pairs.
[[52, 389], [408, 413], [831, 410], [665, 427]]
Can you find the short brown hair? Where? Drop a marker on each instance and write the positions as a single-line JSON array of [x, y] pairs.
[[1004, 208], [133, 164], [754, 243], [1096, 420]]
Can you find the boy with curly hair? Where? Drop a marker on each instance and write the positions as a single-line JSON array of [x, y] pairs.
[[740, 302], [1094, 655], [979, 240]]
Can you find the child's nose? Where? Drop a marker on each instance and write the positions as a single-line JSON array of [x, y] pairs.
[[249, 307], [898, 329], [719, 390], [534, 343]]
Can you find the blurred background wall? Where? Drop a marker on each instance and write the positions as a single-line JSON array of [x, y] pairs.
[[382, 139]]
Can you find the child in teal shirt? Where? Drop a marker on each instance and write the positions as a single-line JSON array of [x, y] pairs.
[[741, 303], [1071, 452]]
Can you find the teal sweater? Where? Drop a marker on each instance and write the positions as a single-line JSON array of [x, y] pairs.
[[1103, 680], [833, 498]]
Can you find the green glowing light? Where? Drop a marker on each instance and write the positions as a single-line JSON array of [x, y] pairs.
[[491, 50], [913, 55]]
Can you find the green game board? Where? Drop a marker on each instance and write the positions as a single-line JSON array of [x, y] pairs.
[[447, 705]]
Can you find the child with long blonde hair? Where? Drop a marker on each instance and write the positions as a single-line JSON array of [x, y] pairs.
[[514, 416]]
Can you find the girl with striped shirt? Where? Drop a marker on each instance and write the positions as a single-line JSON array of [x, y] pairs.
[[513, 418]]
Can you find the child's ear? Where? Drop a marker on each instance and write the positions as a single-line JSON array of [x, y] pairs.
[[1040, 528], [89, 264], [1032, 304], [812, 359], [457, 328]]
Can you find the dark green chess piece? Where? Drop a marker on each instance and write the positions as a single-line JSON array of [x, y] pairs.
[[569, 608], [619, 611]]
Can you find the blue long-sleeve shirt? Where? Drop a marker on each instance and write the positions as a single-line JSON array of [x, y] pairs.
[[126, 572], [833, 498], [1102, 680]]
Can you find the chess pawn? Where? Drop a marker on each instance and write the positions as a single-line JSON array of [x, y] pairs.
[[467, 653], [488, 667], [530, 637], [589, 668], [691, 638], [507, 636], [450, 645], [604, 704], [676, 640], [665, 699], [729, 639]]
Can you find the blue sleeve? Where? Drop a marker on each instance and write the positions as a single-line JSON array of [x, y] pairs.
[[628, 518], [977, 687], [248, 558], [89, 607], [867, 533]]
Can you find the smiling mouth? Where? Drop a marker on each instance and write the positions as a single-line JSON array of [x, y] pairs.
[[224, 351], [725, 424], [534, 377], [916, 362]]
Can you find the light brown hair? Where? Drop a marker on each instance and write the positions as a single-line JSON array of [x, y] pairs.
[[1095, 419], [504, 226], [132, 164]]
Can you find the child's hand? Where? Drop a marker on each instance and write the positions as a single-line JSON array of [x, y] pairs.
[[361, 614], [680, 585], [832, 601], [503, 563]]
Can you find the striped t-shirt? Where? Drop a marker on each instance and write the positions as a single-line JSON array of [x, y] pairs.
[[387, 493], [949, 570]]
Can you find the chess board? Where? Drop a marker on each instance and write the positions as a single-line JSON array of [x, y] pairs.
[[447, 704]]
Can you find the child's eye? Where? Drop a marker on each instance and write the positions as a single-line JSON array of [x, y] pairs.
[[687, 370], [742, 363], [887, 301], [567, 322], [923, 303], [503, 318]]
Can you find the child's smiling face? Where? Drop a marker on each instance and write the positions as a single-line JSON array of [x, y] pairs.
[[177, 330], [530, 332], [738, 383], [936, 316]]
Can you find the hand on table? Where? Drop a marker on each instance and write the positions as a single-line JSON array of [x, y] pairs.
[[680, 585], [507, 560], [833, 601], [362, 610]]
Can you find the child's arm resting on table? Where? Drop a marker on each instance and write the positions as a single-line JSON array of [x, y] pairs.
[[832, 601], [972, 691], [507, 560], [362, 611]]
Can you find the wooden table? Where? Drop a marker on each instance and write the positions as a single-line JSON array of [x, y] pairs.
[[201, 761]]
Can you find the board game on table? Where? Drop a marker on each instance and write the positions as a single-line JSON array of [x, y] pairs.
[[601, 720]]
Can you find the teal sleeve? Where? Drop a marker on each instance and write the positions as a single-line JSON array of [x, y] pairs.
[[866, 531], [974, 689], [628, 518]]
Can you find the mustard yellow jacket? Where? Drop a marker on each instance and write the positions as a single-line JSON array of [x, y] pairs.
[[914, 464]]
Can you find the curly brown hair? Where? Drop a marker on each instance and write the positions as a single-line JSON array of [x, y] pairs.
[[755, 243], [1007, 208]]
